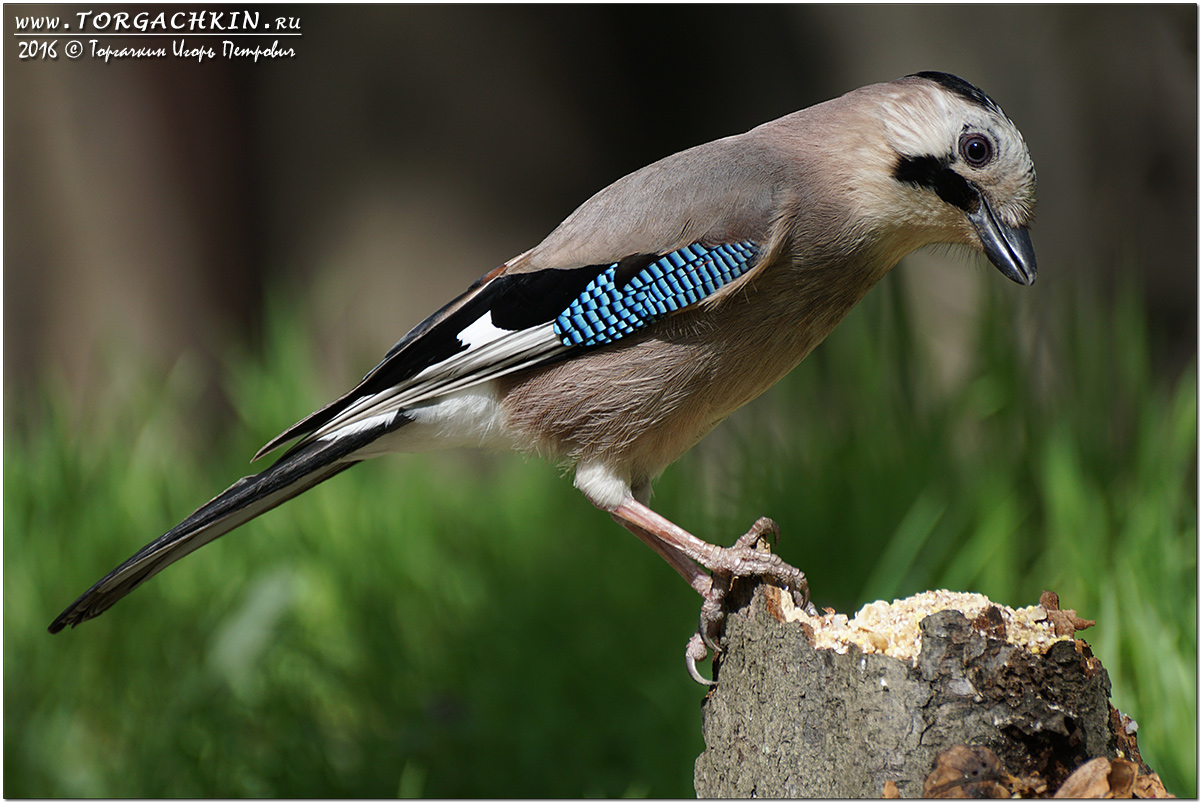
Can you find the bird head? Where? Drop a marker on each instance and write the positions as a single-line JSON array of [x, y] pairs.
[[962, 168]]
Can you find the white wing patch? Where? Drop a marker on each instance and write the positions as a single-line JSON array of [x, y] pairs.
[[481, 332]]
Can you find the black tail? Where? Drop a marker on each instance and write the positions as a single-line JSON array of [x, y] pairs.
[[296, 471]]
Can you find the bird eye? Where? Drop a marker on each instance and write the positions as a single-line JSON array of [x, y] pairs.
[[976, 149]]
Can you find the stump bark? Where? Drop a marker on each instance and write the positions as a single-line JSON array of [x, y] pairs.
[[788, 720]]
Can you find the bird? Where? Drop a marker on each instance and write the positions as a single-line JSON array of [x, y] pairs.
[[657, 308]]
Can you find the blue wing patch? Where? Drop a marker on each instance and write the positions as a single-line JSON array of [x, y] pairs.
[[604, 312]]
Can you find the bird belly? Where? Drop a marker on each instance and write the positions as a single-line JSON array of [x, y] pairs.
[[634, 408], [637, 405]]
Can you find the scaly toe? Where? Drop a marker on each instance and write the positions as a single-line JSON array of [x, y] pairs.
[[758, 533]]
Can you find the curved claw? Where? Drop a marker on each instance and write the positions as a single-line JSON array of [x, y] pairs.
[[801, 600], [696, 651], [711, 615]]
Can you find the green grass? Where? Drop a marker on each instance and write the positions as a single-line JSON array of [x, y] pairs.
[[450, 625]]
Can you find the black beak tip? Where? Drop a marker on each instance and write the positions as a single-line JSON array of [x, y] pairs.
[[1007, 247], [1024, 274], [1017, 261]]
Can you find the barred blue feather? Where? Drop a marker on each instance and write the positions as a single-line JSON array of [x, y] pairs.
[[604, 312]]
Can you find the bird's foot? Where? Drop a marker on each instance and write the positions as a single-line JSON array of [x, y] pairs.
[[690, 556], [749, 556]]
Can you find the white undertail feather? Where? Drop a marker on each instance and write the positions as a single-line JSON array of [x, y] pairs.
[[470, 418]]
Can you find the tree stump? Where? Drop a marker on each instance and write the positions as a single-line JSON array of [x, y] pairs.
[[786, 719]]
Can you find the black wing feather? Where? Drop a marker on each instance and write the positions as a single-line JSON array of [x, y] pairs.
[[516, 300]]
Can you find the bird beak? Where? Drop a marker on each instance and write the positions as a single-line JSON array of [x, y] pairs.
[[1008, 248]]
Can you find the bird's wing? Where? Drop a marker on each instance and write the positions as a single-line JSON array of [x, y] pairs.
[[510, 321], [659, 239]]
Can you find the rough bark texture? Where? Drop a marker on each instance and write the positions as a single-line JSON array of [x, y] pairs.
[[786, 720]]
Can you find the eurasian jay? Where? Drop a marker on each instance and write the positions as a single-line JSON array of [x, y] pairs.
[[661, 305]]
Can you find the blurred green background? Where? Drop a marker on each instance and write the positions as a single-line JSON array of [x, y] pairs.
[[196, 255]]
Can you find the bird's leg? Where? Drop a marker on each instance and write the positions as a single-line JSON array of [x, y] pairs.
[[740, 559], [685, 553], [701, 582], [684, 565]]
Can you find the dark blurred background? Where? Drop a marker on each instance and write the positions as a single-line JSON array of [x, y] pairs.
[[162, 216], [407, 150]]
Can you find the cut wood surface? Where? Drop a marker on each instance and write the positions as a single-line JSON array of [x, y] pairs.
[[1026, 700]]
